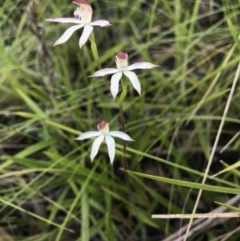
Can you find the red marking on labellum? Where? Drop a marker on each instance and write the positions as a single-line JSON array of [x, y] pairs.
[[121, 56], [101, 125]]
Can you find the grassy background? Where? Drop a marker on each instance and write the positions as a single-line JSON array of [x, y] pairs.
[[49, 189]]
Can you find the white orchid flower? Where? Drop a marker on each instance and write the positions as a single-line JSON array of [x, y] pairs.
[[123, 68], [103, 133], [83, 18]]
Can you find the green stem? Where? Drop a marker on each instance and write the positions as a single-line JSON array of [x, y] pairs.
[[94, 50], [125, 165], [96, 56], [124, 90]]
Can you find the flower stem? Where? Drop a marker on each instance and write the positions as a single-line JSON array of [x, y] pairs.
[[124, 90], [125, 165], [96, 56], [94, 50]]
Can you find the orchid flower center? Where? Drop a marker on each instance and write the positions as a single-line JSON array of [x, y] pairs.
[[84, 12], [103, 127], [121, 60]]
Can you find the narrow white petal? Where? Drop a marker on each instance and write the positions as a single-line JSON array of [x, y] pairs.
[[64, 20], [142, 65], [87, 30], [115, 83], [95, 146], [101, 23], [67, 34], [88, 134], [103, 72], [111, 147], [121, 135], [134, 80]]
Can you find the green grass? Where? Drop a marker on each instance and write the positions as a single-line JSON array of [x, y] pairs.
[[49, 188]]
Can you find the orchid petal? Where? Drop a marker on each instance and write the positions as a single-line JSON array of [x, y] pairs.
[[88, 134], [111, 147], [121, 135], [115, 83], [101, 23], [134, 80], [95, 146], [141, 65], [85, 35], [67, 34], [65, 20], [103, 72]]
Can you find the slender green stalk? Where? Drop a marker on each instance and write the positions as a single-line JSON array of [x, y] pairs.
[[125, 165], [124, 90], [94, 50], [96, 55]]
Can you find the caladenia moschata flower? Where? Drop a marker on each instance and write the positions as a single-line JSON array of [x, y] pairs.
[[102, 134], [124, 68], [83, 18]]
